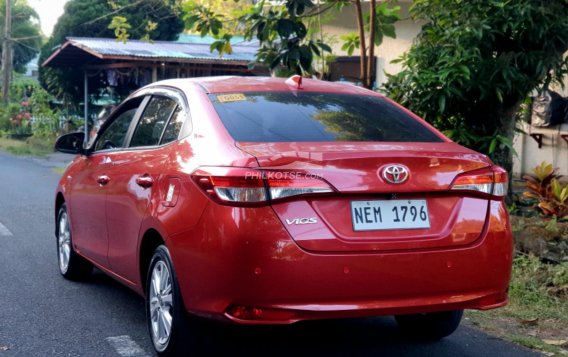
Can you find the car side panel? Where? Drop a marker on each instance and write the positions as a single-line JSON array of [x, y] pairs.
[[86, 205], [127, 204]]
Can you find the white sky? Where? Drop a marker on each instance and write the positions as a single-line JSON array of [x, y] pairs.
[[48, 11]]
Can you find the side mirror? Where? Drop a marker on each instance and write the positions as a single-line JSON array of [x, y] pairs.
[[71, 143]]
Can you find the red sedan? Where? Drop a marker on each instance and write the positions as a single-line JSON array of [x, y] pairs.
[[270, 201]]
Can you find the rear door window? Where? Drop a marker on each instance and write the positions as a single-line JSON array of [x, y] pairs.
[[305, 117], [114, 132], [153, 121], [174, 126]]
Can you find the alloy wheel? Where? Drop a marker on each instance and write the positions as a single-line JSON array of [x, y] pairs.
[[161, 305], [64, 242]]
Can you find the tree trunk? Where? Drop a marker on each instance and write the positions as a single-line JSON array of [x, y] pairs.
[[370, 73], [362, 46], [503, 156]]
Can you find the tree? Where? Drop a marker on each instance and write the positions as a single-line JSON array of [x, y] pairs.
[[26, 34], [229, 9], [90, 18], [475, 62], [149, 19], [379, 22], [16, 56], [284, 37], [280, 29]]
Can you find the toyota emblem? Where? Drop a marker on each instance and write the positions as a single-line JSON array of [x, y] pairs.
[[395, 174]]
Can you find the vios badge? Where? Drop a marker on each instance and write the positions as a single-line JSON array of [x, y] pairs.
[[301, 221], [395, 174]]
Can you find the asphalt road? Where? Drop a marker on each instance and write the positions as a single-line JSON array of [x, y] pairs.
[[42, 314]]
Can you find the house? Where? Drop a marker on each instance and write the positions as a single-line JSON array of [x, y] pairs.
[[152, 61], [32, 68], [133, 64]]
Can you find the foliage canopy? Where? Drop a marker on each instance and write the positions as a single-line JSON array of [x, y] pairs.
[[285, 39], [475, 62], [26, 33]]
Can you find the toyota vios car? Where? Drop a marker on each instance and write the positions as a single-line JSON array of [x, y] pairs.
[[271, 201]]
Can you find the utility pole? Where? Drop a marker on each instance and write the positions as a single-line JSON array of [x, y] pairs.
[[7, 53]]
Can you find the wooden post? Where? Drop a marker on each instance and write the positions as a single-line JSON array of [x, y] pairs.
[[86, 108], [154, 73], [7, 54]]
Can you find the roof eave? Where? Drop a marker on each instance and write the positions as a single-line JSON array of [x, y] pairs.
[[54, 54]]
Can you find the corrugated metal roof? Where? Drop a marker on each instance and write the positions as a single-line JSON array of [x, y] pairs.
[[244, 51], [193, 38]]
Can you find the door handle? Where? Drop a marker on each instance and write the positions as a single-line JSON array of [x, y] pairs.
[[103, 180], [145, 181]]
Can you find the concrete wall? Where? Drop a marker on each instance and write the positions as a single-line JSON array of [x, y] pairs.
[[554, 149]]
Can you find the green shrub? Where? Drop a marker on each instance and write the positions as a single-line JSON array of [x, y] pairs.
[[4, 124]]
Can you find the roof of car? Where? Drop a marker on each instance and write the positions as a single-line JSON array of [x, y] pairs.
[[232, 84]]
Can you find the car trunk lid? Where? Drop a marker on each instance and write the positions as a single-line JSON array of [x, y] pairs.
[[336, 223]]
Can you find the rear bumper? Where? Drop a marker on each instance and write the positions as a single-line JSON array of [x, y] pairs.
[[247, 269]]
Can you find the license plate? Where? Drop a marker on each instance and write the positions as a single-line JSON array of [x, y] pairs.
[[389, 214]]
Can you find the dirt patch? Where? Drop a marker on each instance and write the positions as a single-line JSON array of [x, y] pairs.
[[544, 237], [546, 335]]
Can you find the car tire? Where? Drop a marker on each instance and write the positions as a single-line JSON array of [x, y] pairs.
[[71, 265], [164, 306], [429, 326]]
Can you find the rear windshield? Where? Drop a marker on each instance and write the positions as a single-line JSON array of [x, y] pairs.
[[287, 116]]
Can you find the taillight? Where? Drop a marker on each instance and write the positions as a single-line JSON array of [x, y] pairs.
[[231, 185], [491, 181]]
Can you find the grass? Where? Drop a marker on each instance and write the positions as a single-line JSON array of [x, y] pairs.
[[539, 290], [535, 344], [59, 170], [31, 147], [537, 310]]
